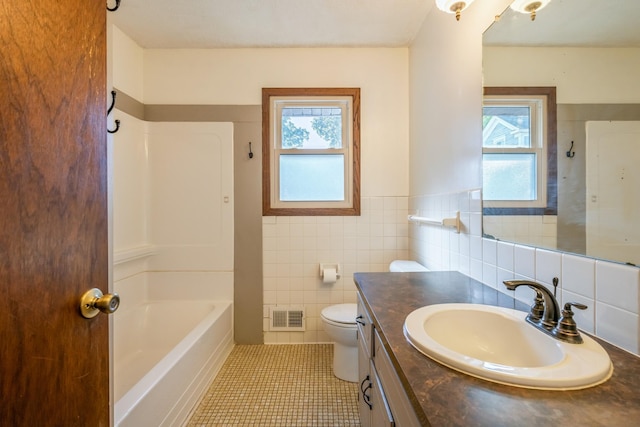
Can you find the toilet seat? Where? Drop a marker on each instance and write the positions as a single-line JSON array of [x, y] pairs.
[[343, 315]]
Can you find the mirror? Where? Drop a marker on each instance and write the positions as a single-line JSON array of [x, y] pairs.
[[589, 50]]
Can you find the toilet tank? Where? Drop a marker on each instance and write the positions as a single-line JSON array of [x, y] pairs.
[[404, 266]]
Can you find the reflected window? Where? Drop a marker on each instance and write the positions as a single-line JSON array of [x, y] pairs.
[[514, 151], [510, 177]]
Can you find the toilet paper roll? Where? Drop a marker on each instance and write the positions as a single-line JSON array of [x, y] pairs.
[[329, 275]]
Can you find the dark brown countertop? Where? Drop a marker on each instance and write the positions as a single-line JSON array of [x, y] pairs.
[[444, 397]]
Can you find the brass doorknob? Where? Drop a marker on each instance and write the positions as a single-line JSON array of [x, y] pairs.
[[94, 302]]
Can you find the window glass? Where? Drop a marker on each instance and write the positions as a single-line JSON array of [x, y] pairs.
[[312, 177], [313, 127], [506, 126], [509, 177], [513, 146]]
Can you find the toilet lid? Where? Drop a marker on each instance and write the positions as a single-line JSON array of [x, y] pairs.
[[341, 313]]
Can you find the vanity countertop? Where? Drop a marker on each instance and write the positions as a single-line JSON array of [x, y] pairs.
[[444, 397]]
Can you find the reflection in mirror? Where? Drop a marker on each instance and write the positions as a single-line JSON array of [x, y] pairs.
[[589, 50]]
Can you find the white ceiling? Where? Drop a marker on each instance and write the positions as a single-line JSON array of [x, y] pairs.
[[360, 23], [610, 23], [270, 23]]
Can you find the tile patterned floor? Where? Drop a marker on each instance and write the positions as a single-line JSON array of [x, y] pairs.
[[278, 385]]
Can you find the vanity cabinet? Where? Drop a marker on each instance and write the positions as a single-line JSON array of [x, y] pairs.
[[381, 398], [372, 404], [420, 391]]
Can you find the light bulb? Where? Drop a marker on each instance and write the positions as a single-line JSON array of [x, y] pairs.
[[453, 6], [529, 6]]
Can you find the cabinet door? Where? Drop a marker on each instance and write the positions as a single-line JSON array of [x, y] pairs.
[[365, 328], [380, 413], [364, 392], [399, 403]]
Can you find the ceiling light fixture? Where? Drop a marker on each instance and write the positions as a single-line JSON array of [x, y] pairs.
[[453, 6], [529, 6]]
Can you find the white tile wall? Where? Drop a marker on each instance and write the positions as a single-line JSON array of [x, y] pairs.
[[615, 280], [490, 275], [490, 251], [578, 275], [610, 290], [584, 318], [524, 261], [293, 248], [617, 326], [539, 230], [505, 255], [548, 266], [578, 285]]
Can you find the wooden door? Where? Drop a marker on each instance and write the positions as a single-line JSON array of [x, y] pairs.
[[54, 364]]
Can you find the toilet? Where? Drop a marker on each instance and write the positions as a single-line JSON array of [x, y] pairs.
[[339, 322], [404, 266]]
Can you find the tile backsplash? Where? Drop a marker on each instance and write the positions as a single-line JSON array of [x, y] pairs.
[[610, 290]]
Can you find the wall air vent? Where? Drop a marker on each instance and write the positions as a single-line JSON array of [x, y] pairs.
[[286, 319]]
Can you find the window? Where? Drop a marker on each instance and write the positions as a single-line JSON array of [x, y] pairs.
[[311, 151], [519, 151]]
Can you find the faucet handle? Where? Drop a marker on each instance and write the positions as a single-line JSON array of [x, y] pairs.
[[567, 306], [567, 330]]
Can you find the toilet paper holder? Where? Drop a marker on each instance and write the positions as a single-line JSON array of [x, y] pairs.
[[324, 266]]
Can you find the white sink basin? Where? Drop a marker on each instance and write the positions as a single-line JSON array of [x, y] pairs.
[[497, 344]]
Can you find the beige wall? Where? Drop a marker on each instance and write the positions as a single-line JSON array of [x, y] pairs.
[[236, 77], [592, 84], [130, 214], [200, 85], [127, 61], [439, 93], [293, 247], [446, 75], [581, 75]]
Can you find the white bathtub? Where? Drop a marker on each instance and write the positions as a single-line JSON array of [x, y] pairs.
[[165, 354]]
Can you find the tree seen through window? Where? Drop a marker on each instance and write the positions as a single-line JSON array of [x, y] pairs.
[[312, 128]]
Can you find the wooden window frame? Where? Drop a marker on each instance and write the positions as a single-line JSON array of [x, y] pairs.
[[267, 152]]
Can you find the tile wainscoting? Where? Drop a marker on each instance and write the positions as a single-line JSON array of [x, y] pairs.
[[293, 248], [609, 289]]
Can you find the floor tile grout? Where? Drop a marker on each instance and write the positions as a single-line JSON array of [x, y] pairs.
[[278, 385]]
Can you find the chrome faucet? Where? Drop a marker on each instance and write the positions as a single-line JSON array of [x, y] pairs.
[[545, 312]]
